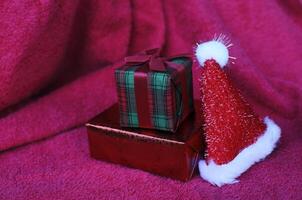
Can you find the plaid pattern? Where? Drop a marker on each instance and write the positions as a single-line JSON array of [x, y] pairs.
[[188, 67], [165, 98], [162, 112], [126, 96]]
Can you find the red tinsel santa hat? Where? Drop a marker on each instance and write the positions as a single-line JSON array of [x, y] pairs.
[[236, 137]]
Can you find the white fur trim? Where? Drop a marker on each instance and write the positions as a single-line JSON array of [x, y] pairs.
[[227, 173], [212, 50]]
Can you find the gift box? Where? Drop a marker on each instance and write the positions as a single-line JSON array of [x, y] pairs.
[[154, 92], [171, 155]]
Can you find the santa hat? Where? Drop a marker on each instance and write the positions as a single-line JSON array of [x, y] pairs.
[[236, 137]]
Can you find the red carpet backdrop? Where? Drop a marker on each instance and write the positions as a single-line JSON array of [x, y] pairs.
[[57, 62]]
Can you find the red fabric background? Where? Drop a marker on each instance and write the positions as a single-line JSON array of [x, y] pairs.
[[56, 72]]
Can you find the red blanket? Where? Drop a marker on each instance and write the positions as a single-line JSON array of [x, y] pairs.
[[56, 72]]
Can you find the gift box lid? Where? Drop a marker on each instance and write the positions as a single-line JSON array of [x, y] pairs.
[[189, 132]]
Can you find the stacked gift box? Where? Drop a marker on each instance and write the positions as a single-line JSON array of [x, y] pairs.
[[153, 126]]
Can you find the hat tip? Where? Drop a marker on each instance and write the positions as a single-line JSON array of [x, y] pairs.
[[212, 50]]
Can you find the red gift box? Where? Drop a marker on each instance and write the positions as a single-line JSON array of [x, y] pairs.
[[172, 155], [154, 92]]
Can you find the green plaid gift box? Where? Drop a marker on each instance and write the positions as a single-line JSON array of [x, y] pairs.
[[155, 99]]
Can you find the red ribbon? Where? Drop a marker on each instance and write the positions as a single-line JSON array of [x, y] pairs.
[[152, 57], [142, 98]]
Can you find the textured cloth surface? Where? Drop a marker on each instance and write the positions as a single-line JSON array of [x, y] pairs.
[[57, 61]]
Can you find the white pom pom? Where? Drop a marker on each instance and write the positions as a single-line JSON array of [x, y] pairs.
[[212, 50]]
